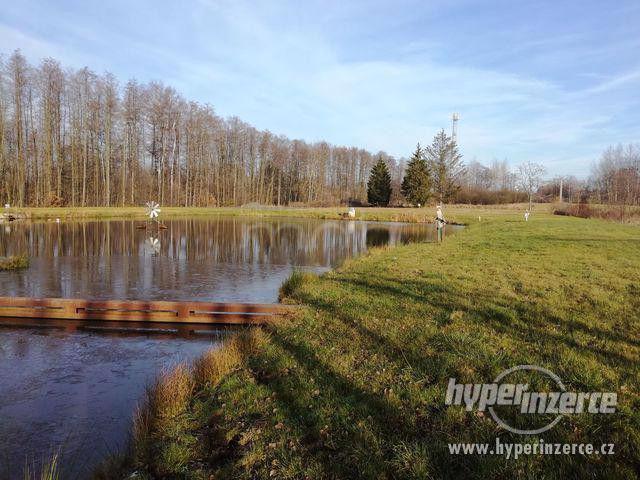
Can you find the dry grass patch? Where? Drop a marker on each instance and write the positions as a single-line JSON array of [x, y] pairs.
[[48, 471], [171, 393], [15, 262], [165, 438], [216, 363]]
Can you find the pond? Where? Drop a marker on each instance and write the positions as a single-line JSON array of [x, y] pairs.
[[210, 259], [76, 392]]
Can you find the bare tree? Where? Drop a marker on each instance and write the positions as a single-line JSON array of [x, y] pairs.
[[17, 71], [77, 138], [615, 178], [530, 175]]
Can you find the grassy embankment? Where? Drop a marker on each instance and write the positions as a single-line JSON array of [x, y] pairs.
[[354, 386], [373, 214], [628, 214], [15, 262]]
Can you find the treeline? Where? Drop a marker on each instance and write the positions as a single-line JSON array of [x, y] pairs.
[[437, 174], [615, 178], [75, 138], [432, 173], [486, 185]]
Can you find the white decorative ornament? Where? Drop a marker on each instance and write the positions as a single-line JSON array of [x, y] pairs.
[[153, 210]]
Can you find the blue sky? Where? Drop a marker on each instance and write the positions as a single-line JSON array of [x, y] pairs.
[[548, 81]]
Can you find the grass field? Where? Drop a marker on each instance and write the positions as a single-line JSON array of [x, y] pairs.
[[458, 213], [354, 386]]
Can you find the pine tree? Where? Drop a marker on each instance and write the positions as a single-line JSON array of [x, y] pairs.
[[445, 163], [416, 185], [379, 186]]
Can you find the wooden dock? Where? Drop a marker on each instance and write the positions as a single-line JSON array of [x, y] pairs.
[[140, 312]]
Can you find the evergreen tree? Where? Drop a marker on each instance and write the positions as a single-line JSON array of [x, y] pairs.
[[379, 186], [416, 185], [445, 163]]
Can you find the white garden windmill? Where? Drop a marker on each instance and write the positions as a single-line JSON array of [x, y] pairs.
[[153, 210]]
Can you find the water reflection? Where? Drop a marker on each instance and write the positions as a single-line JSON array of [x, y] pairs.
[[213, 258], [377, 237]]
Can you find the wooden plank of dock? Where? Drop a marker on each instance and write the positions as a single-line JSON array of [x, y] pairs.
[[211, 313]]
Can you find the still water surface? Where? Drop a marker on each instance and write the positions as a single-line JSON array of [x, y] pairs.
[[218, 259], [75, 392]]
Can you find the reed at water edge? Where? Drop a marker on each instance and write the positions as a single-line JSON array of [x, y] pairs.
[[162, 443], [15, 262], [48, 471]]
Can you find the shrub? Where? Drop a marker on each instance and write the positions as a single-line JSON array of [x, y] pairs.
[[616, 213], [54, 201], [479, 196], [15, 262]]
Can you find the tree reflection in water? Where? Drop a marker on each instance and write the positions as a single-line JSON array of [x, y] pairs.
[[213, 258]]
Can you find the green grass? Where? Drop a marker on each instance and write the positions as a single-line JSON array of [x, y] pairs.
[[354, 386], [426, 214], [293, 283], [173, 430], [16, 262]]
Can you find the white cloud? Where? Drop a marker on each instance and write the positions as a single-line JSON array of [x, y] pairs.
[[614, 83], [30, 46]]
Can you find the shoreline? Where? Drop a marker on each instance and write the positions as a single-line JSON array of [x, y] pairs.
[[460, 215], [334, 391]]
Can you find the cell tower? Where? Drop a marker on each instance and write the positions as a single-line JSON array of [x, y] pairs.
[[454, 127]]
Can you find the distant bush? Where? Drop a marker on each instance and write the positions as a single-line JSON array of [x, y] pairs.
[[619, 213], [15, 262], [55, 201], [477, 196]]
